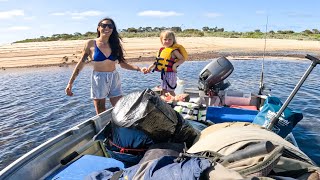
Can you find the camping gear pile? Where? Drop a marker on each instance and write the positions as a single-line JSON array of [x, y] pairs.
[[163, 145]]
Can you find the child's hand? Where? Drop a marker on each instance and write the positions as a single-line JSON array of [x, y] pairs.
[[148, 70], [174, 68]]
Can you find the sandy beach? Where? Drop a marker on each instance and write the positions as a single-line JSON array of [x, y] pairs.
[[60, 53]]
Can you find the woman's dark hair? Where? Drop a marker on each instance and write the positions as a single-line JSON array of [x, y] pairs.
[[114, 40]]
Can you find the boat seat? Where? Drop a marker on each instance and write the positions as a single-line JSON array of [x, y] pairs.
[[84, 166], [217, 114]]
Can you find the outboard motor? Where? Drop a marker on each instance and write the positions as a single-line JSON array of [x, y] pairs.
[[211, 78]]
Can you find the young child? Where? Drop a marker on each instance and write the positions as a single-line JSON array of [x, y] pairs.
[[169, 57]]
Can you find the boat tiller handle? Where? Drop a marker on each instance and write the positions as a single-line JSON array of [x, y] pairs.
[[313, 59]]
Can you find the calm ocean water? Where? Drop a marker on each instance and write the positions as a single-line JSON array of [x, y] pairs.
[[34, 107]]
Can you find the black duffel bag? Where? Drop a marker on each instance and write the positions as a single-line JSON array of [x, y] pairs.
[[147, 112]]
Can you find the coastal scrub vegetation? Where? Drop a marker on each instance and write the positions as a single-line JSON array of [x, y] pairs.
[[307, 34]]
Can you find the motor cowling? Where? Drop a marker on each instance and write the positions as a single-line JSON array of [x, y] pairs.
[[212, 77]]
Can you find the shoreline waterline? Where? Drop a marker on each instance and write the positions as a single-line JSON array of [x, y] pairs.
[[61, 53]]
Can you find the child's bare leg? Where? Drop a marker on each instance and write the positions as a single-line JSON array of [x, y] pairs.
[[164, 91], [171, 92]]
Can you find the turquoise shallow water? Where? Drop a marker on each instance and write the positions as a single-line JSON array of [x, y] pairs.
[[34, 107]]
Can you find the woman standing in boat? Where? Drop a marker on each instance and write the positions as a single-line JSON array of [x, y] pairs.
[[105, 79]]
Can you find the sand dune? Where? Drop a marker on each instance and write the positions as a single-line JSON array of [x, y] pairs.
[[144, 49]]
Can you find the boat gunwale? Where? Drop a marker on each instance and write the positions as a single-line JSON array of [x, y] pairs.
[[97, 121]]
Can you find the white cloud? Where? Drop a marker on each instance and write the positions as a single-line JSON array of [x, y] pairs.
[[14, 28], [29, 18], [213, 15], [18, 28], [78, 15], [11, 14], [159, 13], [59, 13]]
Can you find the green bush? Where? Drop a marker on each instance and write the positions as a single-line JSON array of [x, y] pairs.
[[204, 32]]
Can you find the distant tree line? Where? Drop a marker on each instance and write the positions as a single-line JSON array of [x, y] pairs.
[[307, 34]]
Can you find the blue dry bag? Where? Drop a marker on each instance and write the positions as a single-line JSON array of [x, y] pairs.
[[287, 120]]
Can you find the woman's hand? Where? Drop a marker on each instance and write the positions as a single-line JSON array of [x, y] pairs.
[[144, 70], [68, 90]]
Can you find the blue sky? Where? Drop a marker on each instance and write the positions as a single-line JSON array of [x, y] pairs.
[[21, 19]]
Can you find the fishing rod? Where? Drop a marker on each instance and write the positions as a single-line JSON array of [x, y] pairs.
[[314, 63], [261, 85]]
